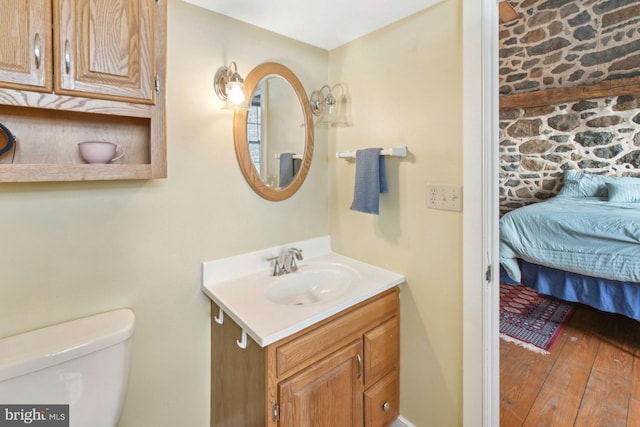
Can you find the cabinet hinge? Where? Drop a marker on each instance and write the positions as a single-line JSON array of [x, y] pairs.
[[275, 412], [157, 84], [157, 1], [487, 274]]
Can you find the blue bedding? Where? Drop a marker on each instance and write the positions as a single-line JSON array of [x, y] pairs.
[[613, 296], [589, 236]]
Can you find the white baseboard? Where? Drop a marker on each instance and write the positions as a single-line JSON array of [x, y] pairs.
[[402, 422]]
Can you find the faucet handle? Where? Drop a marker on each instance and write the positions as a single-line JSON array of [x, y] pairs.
[[293, 254], [278, 266]]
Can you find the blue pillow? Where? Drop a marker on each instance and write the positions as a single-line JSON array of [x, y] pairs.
[[579, 184], [624, 191]]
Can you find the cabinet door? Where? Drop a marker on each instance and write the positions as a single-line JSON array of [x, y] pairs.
[[105, 49], [328, 393], [25, 44]]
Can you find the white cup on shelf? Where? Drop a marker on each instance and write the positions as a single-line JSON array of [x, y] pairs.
[[100, 151]]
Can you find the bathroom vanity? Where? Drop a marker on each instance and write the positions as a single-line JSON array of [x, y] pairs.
[[342, 371], [323, 360]]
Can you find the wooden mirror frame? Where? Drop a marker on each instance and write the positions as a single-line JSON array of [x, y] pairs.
[[240, 133]]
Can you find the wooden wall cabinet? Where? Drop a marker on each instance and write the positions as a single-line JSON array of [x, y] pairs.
[[343, 371], [25, 45], [81, 70]]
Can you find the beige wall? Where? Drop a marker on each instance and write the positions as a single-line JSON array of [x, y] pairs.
[[74, 249], [405, 88]]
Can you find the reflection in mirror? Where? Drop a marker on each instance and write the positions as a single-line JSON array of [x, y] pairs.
[[274, 130], [273, 149], [254, 132]]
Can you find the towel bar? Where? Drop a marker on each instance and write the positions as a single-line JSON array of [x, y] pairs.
[[295, 156], [395, 152]]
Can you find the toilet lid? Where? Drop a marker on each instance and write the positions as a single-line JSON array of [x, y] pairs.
[[6, 139]]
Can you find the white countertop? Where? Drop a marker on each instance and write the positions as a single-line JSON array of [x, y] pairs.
[[238, 285]]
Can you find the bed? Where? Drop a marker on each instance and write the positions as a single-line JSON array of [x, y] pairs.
[[581, 246]]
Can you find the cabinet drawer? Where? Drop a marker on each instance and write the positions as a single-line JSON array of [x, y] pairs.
[[381, 350], [382, 401], [317, 343]]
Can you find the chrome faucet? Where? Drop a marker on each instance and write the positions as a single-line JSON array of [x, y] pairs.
[[286, 262], [290, 264]]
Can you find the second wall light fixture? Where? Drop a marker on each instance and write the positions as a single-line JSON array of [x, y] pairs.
[[329, 105], [229, 87]]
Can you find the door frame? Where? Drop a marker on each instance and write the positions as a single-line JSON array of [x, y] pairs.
[[481, 356]]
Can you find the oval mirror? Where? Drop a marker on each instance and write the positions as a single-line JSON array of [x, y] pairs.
[[274, 137]]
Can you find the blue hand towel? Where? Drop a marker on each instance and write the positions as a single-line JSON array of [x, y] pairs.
[[370, 181], [296, 166], [287, 171]]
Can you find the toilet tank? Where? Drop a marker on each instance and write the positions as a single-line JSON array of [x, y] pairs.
[[83, 363]]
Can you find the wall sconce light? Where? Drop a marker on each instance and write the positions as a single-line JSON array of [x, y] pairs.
[[229, 87], [328, 104]]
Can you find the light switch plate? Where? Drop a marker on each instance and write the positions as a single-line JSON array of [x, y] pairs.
[[446, 197]]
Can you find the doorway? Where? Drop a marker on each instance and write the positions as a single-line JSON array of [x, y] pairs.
[[481, 390]]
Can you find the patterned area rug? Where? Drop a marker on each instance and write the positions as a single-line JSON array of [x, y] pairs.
[[530, 319]]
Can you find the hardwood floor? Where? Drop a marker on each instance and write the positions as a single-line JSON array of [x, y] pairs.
[[591, 377]]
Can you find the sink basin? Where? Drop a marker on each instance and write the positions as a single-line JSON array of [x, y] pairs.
[[312, 284], [265, 306]]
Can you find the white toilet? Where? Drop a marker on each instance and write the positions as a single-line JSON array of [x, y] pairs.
[[83, 363]]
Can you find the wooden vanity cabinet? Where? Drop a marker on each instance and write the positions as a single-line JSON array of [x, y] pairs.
[[82, 70], [343, 371]]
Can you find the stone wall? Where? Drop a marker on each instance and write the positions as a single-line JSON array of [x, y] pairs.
[[561, 43]]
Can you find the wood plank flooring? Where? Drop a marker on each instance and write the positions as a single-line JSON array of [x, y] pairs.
[[591, 377]]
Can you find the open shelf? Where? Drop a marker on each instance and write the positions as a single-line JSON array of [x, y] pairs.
[[47, 145]]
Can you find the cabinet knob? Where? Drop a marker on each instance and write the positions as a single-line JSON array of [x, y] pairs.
[[386, 406]]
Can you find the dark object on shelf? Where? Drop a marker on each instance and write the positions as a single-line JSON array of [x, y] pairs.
[[7, 140]]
